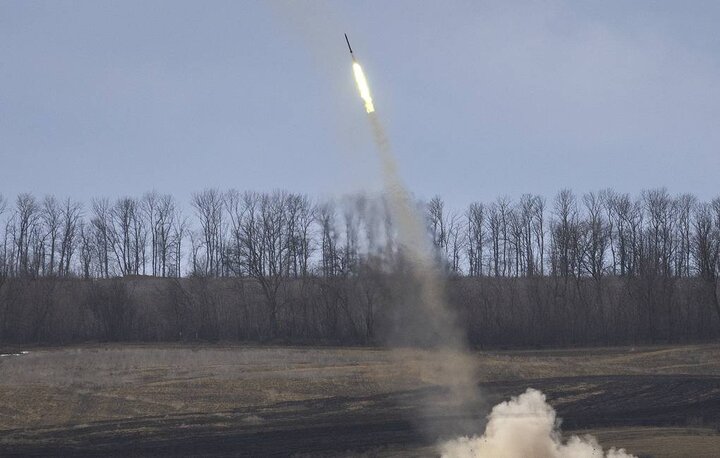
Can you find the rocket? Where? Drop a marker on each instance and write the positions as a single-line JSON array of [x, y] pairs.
[[350, 48], [361, 81]]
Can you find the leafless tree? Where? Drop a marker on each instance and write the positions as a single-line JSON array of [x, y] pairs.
[[516, 224], [437, 223], [71, 214], [208, 206], [564, 232], [660, 247], [27, 218], [302, 247], [684, 206], [149, 205], [265, 245], [87, 249], [706, 244], [3, 248], [504, 209], [103, 234], [179, 231], [127, 235], [538, 229], [597, 235], [494, 230], [457, 241], [351, 237], [329, 256], [163, 232], [51, 220], [476, 238]]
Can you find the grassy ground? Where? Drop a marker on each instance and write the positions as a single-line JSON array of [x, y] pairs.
[[223, 400]]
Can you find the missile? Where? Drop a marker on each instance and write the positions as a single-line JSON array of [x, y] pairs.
[[350, 48], [361, 81]]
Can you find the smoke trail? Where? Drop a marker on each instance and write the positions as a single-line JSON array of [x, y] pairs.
[[422, 317], [526, 426], [439, 329], [523, 427]]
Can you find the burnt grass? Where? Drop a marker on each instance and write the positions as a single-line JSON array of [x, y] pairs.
[[389, 421]]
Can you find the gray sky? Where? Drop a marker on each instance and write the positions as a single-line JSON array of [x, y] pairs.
[[481, 99]]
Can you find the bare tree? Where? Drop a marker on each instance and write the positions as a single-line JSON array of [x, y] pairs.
[[596, 230], [627, 232], [208, 206], [660, 247], [330, 259], [494, 230], [504, 208], [51, 220], [3, 249], [475, 238], [27, 219], [538, 229], [87, 249], [457, 241], [516, 242], [179, 231], [564, 232], [706, 244], [149, 205], [103, 234], [684, 206], [163, 227], [438, 227], [264, 245], [71, 214], [127, 236], [235, 206], [302, 235], [351, 224]]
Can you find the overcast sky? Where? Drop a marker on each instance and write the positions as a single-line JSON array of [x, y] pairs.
[[481, 99]]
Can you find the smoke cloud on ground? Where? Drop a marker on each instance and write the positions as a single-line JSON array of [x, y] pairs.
[[526, 426]]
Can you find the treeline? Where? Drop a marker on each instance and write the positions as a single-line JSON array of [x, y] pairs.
[[366, 309], [600, 268]]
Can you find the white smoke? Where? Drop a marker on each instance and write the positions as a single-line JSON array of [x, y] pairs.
[[526, 426]]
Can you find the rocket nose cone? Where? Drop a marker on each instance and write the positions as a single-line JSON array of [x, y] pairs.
[[348, 43]]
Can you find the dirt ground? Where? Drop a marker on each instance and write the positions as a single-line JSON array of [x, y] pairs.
[[138, 400]]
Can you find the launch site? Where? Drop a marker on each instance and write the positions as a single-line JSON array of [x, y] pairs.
[[321, 228]]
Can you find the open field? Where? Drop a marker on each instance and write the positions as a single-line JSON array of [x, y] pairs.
[[229, 400]]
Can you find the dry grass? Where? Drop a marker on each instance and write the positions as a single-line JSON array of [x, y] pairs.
[[59, 388]]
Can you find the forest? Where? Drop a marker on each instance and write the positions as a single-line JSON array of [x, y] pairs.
[[596, 269]]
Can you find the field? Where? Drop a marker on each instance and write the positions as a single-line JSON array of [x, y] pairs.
[[137, 400]]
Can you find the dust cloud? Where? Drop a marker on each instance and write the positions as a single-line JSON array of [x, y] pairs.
[[526, 426]]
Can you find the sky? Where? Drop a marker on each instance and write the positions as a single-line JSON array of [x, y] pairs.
[[480, 98]]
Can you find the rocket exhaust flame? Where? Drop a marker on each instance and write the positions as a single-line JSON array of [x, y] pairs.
[[363, 87], [361, 81]]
